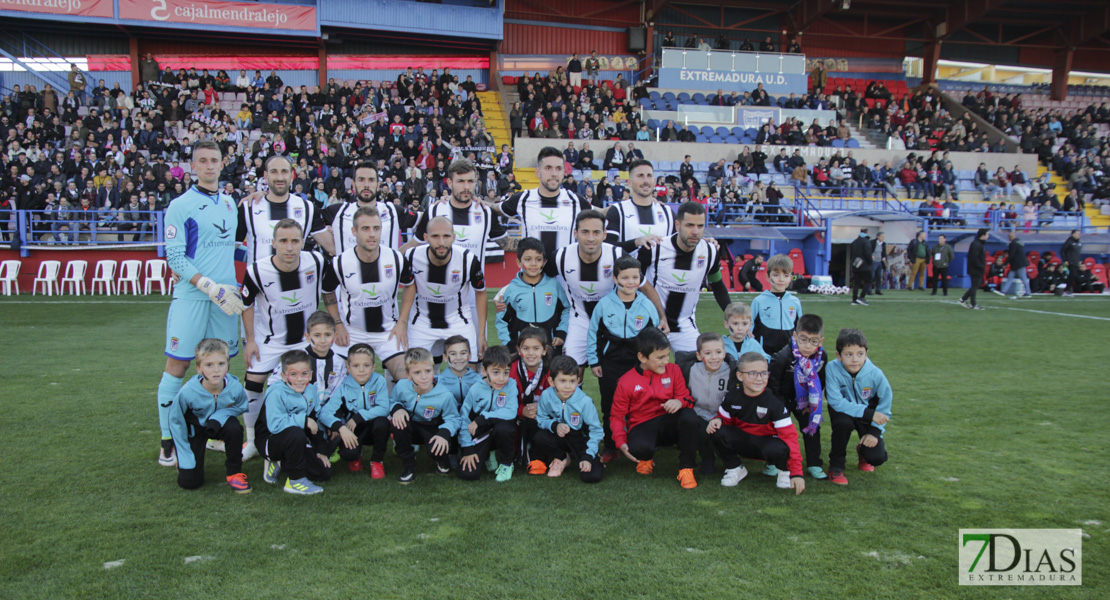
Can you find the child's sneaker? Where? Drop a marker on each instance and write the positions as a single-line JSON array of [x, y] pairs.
[[734, 476], [249, 451], [238, 482], [491, 463], [408, 475], [644, 467], [770, 470], [354, 466], [837, 476], [863, 464], [334, 458], [215, 445], [536, 467], [504, 473], [783, 481], [377, 470], [270, 471], [167, 456], [686, 479], [443, 468], [816, 473], [557, 467], [301, 487], [609, 456]]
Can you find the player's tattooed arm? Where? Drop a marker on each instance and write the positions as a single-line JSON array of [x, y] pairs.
[[329, 299], [508, 244]]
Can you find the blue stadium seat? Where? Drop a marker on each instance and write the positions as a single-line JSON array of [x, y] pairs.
[[668, 96], [700, 139], [654, 95], [703, 165], [716, 139], [707, 131], [751, 132], [838, 143], [722, 131], [653, 123], [747, 140], [738, 131], [774, 101], [853, 143], [732, 139], [782, 101], [647, 103], [698, 98], [683, 98]]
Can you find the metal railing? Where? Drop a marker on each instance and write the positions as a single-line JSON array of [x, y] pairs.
[[973, 219], [845, 197], [98, 228]]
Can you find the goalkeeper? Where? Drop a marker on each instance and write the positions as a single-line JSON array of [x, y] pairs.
[[200, 247]]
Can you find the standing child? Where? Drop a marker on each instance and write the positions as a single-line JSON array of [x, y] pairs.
[[652, 407], [457, 377], [422, 413], [357, 412], [708, 380], [533, 299], [328, 368], [798, 378], [753, 423], [776, 309], [288, 435], [859, 402], [611, 340], [530, 372], [738, 319], [568, 426], [490, 408], [208, 407]]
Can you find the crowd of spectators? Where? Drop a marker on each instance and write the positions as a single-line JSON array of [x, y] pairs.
[[96, 157]]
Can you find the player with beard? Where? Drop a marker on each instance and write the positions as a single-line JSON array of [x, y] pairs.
[[340, 217], [259, 216]]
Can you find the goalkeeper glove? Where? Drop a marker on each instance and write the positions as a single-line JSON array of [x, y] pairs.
[[225, 296]]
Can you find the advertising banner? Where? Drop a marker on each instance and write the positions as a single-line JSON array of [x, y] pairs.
[[76, 8], [238, 15], [711, 80]]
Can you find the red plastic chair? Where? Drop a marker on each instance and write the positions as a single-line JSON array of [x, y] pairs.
[[737, 264], [795, 255]]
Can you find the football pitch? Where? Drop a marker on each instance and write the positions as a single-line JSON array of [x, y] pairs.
[[1001, 420]]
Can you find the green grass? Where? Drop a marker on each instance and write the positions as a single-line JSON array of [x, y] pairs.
[[1000, 420]]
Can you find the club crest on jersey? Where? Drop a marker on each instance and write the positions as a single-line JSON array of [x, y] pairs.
[[228, 205], [866, 393], [455, 276], [429, 412], [372, 398], [701, 260], [501, 400], [171, 232], [761, 411], [666, 381], [607, 271], [298, 213], [791, 312], [310, 276], [639, 322], [174, 342], [389, 271], [575, 419], [477, 217], [548, 299]]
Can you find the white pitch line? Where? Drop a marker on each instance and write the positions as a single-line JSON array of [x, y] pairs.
[[1046, 312]]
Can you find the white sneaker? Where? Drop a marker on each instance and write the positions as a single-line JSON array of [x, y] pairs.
[[215, 445], [249, 451], [783, 481], [169, 460], [734, 476]]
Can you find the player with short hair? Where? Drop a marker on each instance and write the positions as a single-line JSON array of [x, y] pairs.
[[548, 211], [641, 219], [341, 216], [437, 279], [369, 274], [200, 248], [280, 292], [676, 268], [259, 218]]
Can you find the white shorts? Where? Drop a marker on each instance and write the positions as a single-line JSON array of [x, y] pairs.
[[575, 344], [384, 348], [269, 357], [685, 340], [432, 339]]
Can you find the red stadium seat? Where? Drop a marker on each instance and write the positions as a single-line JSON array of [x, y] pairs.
[[726, 276], [761, 275], [737, 264], [1099, 273], [1031, 271], [795, 255], [1090, 262], [508, 80]]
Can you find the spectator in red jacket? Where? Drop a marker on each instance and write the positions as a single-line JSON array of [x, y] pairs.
[[652, 406]]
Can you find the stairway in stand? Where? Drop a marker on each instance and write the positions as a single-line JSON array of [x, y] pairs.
[[1097, 219], [496, 119]]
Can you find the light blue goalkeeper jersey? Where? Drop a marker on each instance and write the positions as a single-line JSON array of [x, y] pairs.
[[200, 238]]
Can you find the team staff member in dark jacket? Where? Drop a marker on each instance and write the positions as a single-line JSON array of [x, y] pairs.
[[917, 253], [1018, 264], [878, 262], [862, 263], [1072, 253], [942, 256], [976, 267], [748, 275]]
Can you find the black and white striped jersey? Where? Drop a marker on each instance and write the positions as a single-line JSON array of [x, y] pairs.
[[585, 283], [283, 300], [627, 221], [442, 291], [257, 222], [549, 220], [474, 225], [677, 277], [341, 218], [368, 290]]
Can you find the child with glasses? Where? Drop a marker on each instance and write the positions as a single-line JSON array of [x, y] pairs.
[[859, 402], [798, 379], [752, 423]]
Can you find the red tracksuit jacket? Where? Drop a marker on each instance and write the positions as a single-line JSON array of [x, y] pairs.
[[640, 397], [762, 415]]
